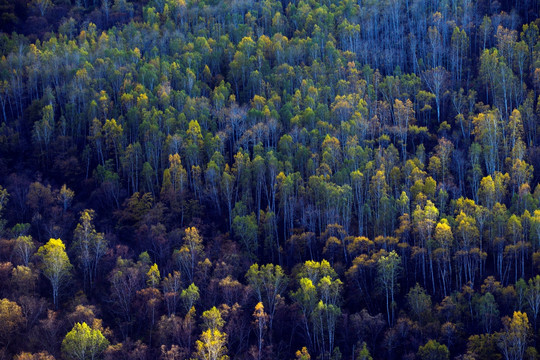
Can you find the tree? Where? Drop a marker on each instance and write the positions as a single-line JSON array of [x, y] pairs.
[[432, 350], [327, 312], [227, 189], [514, 230], [24, 248], [90, 246], [190, 296], [532, 294], [84, 343], [112, 131], [436, 80], [444, 239], [513, 339], [378, 189], [44, 129], [11, 319], [303, 354], [388, 268], [424, 221], [460, 45], [172, 284], [245, 228], [357, 179], [4, 85], [269, 281], [404, 115], [488, 313], [132, 163], [39, 198], [149, 299], [261, 318], [483, 347], [419, 303], [486, 192], [24, 279], [42, 5], [66, 197], [4, 197], [444, 151], [212, 178], [192, 250], [467, 237], [212, 344], [306, 297], [319, 297], [363, 353], [106, 7], [487, 131], [178, 174], [55, 265], [42, 355], [153, 277], [126, 279]]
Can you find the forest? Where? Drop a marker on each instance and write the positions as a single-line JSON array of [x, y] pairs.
[[269, 179]]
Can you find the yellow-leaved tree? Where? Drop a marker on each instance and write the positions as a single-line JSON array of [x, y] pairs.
[[55, 265], [514, 337], [212, 344]]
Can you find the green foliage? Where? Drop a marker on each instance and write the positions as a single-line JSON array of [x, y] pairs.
[[245, 229], [432, 350], [190, 296], [363, 353], [89, 245], [388, 269], [84, 343], [419, 302], [212, 319], [483, 347], [351, 158]]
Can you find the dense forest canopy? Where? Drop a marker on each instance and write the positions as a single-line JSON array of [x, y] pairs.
[[269, 179]]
